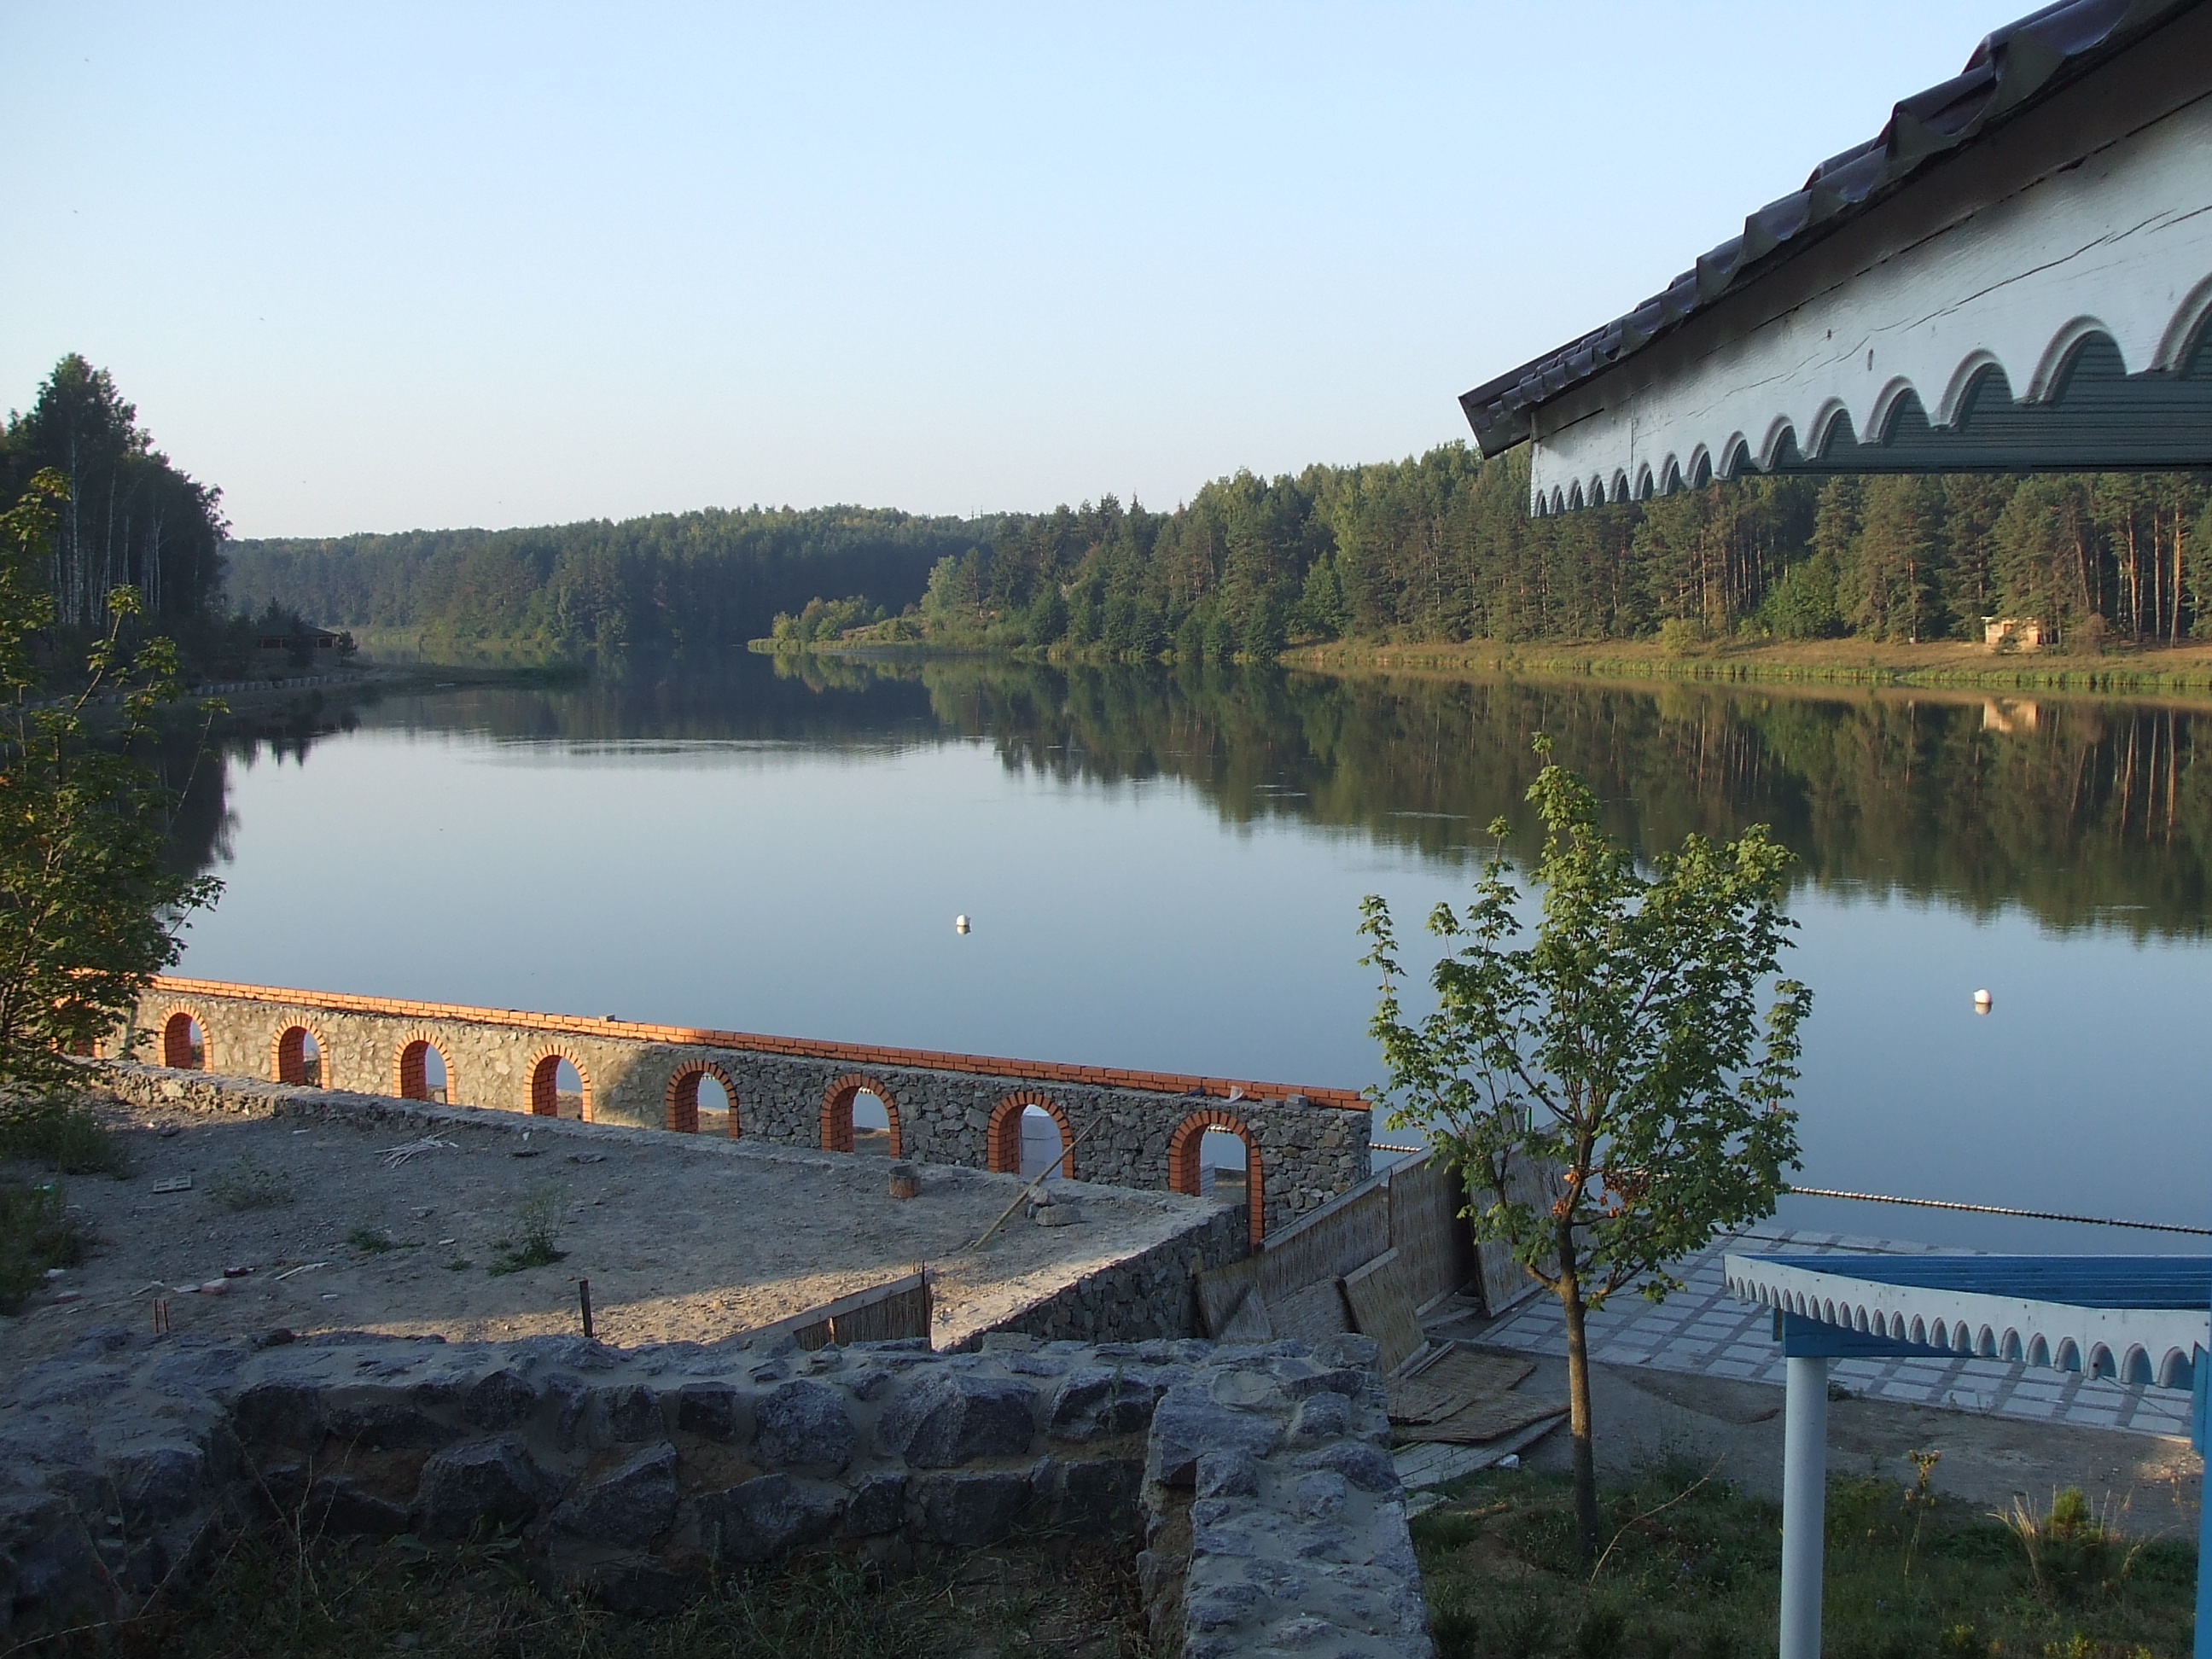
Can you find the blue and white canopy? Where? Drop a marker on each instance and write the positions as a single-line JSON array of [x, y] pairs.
[[2139, 1318]]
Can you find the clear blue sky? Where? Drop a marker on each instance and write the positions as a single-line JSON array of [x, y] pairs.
[[386, 266]]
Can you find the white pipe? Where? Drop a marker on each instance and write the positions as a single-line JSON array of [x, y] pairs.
[[1804, 1504]]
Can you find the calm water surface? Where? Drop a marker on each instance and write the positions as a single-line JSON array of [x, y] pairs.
[[1164, 870]]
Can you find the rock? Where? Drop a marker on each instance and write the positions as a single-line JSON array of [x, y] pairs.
[[282, 1413], [500, 1401], [1227, 1474], [707, 1408], [761, 1519], [1323, 1494], [946, 1419], [159, 1483], [631, 1505], [805, 1423], [1215, 1607], [879, 1505], [1321, 1417], [1099, 1400], [1367, 1466], [387, 1425], [1059, 1215], [1189, 1424], [969, 1509], [1094, 1494], [480, 1480], [631, 1413]]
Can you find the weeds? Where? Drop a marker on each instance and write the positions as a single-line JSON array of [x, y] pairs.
[[249, 1184], [532, 1245], [37, 1232], [276, 1592], [69, 1139], [373, 1241], [1694, 1573]]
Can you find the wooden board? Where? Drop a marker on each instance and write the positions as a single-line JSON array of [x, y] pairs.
[[1484, 1420], [1382, 1308], [1229, 1300], [1457, 1380]]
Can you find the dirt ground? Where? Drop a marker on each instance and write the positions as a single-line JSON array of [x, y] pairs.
[[682, 1239], [2147, 1485]]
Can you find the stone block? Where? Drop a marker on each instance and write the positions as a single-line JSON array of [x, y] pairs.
[[631, 1505], [1321, 1417], [496, 1480], [387, 1425], [1367, 1466], [969, 1508], [282, 1411], [805, 1423], [500, 1401], [708, 1409], [761, 1519], [877, 1506], [1189, 1424], [942, 1421], [159, 1483], [629, 1413], [1099, 1400]]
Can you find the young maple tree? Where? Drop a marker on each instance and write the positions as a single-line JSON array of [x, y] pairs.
[[1619, 1056], [89, 912]]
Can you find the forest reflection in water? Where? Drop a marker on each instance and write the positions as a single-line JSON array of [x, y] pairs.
[[2083, 812]]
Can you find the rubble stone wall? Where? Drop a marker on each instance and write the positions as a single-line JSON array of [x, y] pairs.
[[1125, 1129], [1256, 1478]]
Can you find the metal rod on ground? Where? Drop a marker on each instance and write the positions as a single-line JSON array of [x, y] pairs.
[[583, 1301], [1804, 1502], [1021, 1198], [1998, 1209]]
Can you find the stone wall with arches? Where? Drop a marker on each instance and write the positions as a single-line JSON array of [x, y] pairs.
[[1128, 1129]]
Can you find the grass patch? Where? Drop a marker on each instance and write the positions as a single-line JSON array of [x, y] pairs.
[[536, 1219], [37, 1232], [1693, 1571], [268, 1593], [70, 1138], [374, 1241], [249, 1184]]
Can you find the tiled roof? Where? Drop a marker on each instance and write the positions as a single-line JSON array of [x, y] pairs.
[[2014, 69]]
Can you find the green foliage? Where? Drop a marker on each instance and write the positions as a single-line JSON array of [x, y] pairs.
[[89, 912], [1693, 1568], [822, 620], [1609, 1090], [37, 1232], [537, 1218], [65, 1136], [371, 1241]]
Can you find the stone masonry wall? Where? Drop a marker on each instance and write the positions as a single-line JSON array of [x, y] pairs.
[[1128, 1129], [1257, 1477]]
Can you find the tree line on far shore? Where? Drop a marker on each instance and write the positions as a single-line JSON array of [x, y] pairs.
[[1442, 548]]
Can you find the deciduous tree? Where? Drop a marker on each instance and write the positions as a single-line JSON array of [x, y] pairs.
[[1621, 1053]]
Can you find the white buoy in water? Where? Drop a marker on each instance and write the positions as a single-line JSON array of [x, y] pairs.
[[959, 924], [1981, 1002]]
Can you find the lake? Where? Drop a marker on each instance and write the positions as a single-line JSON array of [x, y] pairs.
[[1163, 868]]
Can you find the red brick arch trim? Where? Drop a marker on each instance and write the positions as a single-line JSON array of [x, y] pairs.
[[544, 1068], [1002, 1141], [1183, 1159], [683, 1097], [176, 1039], [288, 1055], [837, 1113], [410, 1076]]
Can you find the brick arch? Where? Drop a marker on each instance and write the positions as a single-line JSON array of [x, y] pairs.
[[837, 1113], [1183, 1159], [412, 1077], [683, 1097], [288, 1055], [176, 1040], [1002, 1141], [544, 1066]]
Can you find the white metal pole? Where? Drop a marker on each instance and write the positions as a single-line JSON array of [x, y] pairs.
[[1804, 1504]]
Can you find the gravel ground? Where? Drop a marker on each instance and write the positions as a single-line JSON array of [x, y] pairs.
[[682, 1238]]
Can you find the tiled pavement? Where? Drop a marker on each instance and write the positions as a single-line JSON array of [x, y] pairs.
[[1704, 1331]]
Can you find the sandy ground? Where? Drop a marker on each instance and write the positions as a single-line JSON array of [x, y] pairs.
[[681, 1238], [2147, 1485]]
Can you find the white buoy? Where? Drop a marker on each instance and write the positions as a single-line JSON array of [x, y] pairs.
[[1982, 1003], [959, 924]]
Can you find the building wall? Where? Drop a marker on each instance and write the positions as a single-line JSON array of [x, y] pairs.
[[1126, 1129]]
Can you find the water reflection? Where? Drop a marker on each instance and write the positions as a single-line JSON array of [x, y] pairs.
[[2084, 814]]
